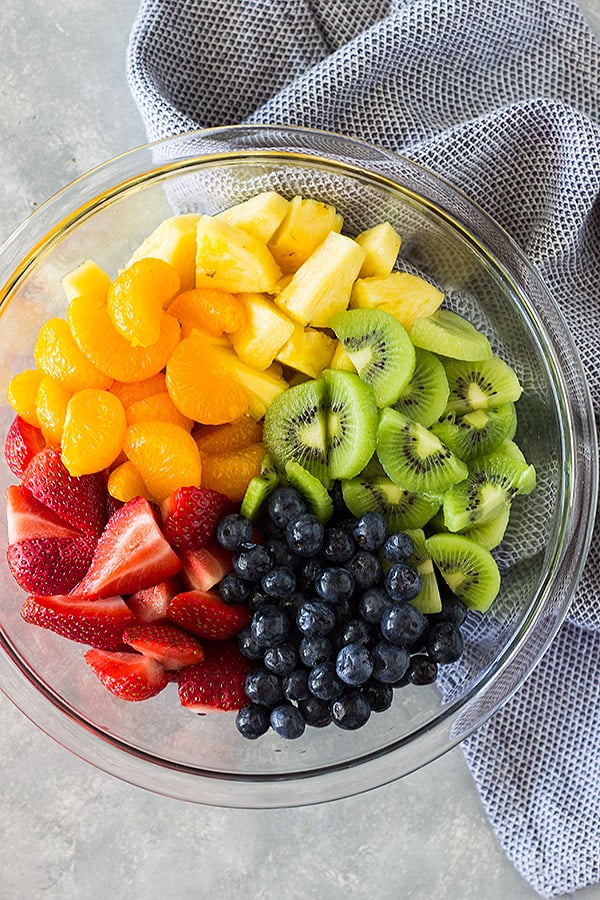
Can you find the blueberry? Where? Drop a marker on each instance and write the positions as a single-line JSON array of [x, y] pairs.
[[379, 695], [257, 599], [281, 660], [323, 681], [335, 584], [366, 569], [287, 721], [372, 604], [344, 611], [295, 685], [314, 650], [403, 624], [422, 669], [315, 618], [390, 662], [248, 646], [252, 561], [263, 688], [304, 535], [315, 711], [453, 610], [370, 530], [281, 553], [354, 631], [270, 625], [444, 642], [278, 582], [351, 710], [235, 589], [309, 570], [233, 530], [292, 602], [338, 545], [285, 504], [403, 582], [354, 664], [252, 721], [398, 547]]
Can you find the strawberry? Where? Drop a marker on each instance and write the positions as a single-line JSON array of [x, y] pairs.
[[27, 518], [51, 565], [204, 613], [22, 442], [129, 676], [204, 568], [166, 643], [99, 623], [217, 683], [151, 603], [80, 501], [131, 554], [190, 516]]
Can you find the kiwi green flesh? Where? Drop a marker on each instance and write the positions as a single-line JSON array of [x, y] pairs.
[[379, 348], [469, 570], [428, 600], [425, 397], [477, 432], [259, 489], [314, 492], [492, 482], [491, 533], [377, 493], [414, 457], [352, 420], [480, 384], [448, 334]]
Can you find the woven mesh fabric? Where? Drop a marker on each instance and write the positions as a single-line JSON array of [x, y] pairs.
[[500, 97]]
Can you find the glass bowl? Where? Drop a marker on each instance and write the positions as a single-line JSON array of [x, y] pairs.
[[159, 745]]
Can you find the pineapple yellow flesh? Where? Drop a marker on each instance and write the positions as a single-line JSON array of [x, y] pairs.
[[405, 296], [307, 350], [260, 216], [228, 257], [173, 241], [264, 333], [341, 360], [86, 280], [306, 224], [263, 386], [321, 287], [381, 244]]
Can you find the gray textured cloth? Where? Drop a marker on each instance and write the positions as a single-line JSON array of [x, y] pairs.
[[501, 97]]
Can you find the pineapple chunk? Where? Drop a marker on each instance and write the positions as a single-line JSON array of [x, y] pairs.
[[306, 223], [173, 241], [264, 333], [260, 215], [381, 244], [341, 360], [86, 280], [308, 350], [405, 296], [263, 386], [228, 257], [321, 287]]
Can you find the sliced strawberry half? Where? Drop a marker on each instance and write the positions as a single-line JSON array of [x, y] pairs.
[[166, 643], [22, 443], [217, 683], [132, 554], [80, 501], [99, 623], [190, 516], [150, 604], [27, 518], [129, 676], [51, 565], [204, 568], [204, 613]]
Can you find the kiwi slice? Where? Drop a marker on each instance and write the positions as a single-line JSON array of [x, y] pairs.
[[414, 457], [448, 334], [491, 533], [493, 480], [295, 427], [425, 396], [260, 487], [373, 491], [314, 491], [379, 348], [351, 423], [477, 432], [479, 384], [428, 600], [469, 570]]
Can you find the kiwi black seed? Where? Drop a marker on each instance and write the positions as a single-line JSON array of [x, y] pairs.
[[425, 396], [295, 427], [380, 349], [469, 570], [414, 457], [352, 420], [477, 432], [480, 384]]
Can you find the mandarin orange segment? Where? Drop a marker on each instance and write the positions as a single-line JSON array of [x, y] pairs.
[[165, 455], [157, 408], [93, 433], [133, 391], [51, 408], [111, 353], [208, 309], [125, 483], [200, 385], [58, 355], [230, 473], [231, 436], [21, 394], [137, 297]]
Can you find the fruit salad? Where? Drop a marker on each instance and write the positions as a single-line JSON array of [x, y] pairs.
[[263, 462]]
